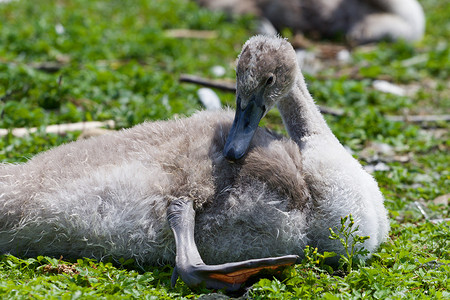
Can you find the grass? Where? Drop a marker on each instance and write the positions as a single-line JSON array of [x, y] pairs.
[[117, 62]]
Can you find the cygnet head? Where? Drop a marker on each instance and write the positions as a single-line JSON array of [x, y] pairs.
[[266, 71]]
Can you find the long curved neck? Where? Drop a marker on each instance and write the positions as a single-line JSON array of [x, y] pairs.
[[301, 116]]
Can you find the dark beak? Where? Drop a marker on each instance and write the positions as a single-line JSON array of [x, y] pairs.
[[244, 127]]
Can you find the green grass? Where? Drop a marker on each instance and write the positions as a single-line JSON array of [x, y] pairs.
[[116, 62]]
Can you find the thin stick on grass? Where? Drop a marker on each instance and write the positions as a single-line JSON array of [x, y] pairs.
[[191, 34], [419, 118], [59, 128], [229, 86]]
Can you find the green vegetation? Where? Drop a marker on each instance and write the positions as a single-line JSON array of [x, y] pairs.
[[349, 240], [67, 61]]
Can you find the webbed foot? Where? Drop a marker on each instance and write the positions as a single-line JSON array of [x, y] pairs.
[[191, 268]]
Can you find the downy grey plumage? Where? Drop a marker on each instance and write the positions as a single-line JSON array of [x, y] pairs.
[[107, 197]]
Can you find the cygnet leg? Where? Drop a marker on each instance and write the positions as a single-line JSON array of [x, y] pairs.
[[190, 266]]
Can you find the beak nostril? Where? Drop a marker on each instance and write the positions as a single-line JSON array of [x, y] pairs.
[[269, 80]]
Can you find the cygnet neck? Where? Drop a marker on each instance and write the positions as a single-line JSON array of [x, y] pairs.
[[301, 116]]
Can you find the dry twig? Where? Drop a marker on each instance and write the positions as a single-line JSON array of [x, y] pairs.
[[223, 85], [231, 87], [59, 128], [419, 118], [191, 34]]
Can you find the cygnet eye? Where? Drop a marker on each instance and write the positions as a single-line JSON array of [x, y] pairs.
[[270, 80]]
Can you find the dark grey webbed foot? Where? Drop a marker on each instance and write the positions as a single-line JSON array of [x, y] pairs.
[[191, 268]]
